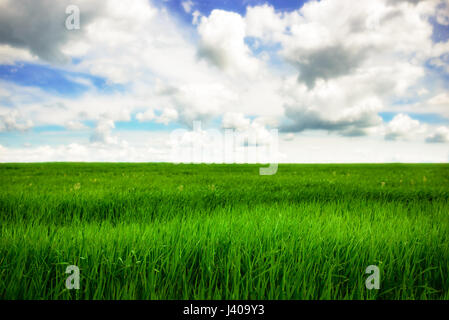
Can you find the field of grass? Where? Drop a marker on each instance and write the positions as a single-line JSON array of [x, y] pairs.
[[165, 231]]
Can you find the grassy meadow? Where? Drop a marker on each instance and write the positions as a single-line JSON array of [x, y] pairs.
[[165, 231]]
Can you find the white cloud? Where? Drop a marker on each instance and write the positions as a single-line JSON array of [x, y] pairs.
[[147, 146], [8, 55], [263, 22], [331, 65], [255, 131], [75, 125], [167, 116], [187, 6], [334, 39], [13, 121], [222, 43], [102, 133], [442, 14], [441, 100], [435, 102], [354, 58], [195, 101], [289, 137], [441, 135], [92, 152], [235, 120], [403, 127], [439, 63], [331, 106], [322, 148], [148, 115]]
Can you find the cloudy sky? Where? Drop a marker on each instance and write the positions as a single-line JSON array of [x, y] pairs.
[[341, 81]]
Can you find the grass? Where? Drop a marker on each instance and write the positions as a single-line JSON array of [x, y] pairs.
[[164, 231]]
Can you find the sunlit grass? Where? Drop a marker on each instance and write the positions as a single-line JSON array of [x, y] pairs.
[[163, 231]]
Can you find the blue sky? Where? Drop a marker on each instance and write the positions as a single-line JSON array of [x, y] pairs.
[[361, 73], [54, 80], [206, 6]]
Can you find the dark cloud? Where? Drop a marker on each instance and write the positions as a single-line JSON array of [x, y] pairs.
[[395, 2], [437, 138], [39, 26], [326, 63], [217, 57], [302, 119]]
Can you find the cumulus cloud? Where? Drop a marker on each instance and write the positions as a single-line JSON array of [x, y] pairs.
[[167, 116], [222, 42], [264, 23], [331, 107], [102, 133], [330, 39], [442, 14], [441, 135], [403, 127], [436, 102], [440, 100], [326, 63], [194, 90], [353, 58], [349, 125], [235, 120], [148, 115], [9, 54], [194, 101], [95, 152], [39, 26], [330, 65], [75, 125], [13, 121], [254, 132]]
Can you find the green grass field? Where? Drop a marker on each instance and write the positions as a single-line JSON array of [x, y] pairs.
[[165, 231]]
